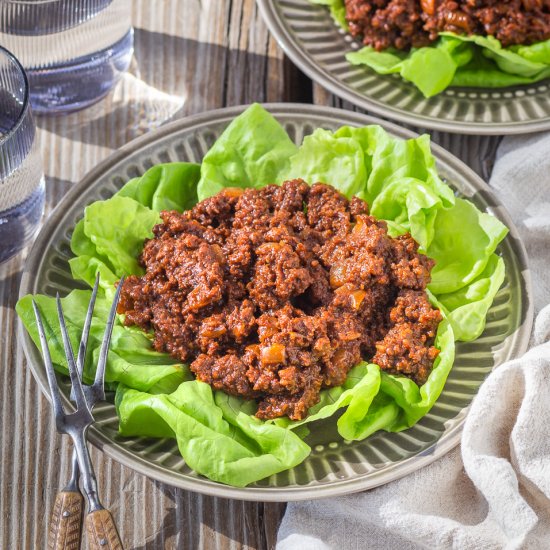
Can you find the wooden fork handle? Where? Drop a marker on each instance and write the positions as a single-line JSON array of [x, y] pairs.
[[66, 521], [102, 532]]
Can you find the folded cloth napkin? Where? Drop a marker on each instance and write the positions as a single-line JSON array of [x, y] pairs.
[[493, 492]]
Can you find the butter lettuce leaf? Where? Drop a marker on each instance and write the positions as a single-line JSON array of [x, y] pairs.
[[465, 238], [466, 309], [430, 69], [324, 157], [217, 434], [523, 61], [171, 186], [252, 152], [118, 227]]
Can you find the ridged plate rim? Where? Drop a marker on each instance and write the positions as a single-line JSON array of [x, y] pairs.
[[304, 61], [308, 113]]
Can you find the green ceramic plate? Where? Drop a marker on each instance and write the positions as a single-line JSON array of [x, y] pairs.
[[310, 37], [335, 466]]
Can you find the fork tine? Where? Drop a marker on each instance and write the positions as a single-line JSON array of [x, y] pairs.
[[100, 371], [52, 382], [81, 359], [80, 399], [86, 331]]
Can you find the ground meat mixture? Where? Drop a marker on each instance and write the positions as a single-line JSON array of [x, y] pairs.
[[403, 24], [274, 294]]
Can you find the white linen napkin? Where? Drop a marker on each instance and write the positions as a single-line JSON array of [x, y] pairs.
[[493, 492]]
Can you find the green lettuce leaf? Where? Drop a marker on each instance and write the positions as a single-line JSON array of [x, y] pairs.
[[509, 60], [88, 261], [483, 75], [539, 52], [325, 157], [430, 69], [475, 61], [171, 186], [464, 240], [217, 434], [109, 243], [85, 268], [109, 239], [466, 309], [118, 227], [252, 152]]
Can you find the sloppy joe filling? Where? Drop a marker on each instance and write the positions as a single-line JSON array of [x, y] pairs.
[[273, 294], [403, 24]]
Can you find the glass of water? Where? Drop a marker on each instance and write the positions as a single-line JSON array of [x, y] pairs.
[[21, 177], [74, 51]]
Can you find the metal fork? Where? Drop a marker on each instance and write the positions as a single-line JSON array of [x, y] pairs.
[[66, 521]]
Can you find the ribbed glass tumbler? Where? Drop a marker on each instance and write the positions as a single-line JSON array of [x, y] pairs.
[[21, 176], [74, 51]]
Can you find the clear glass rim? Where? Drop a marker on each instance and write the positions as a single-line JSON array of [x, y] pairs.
[[26, 98]]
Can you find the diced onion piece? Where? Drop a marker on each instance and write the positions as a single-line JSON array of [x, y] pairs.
[[216, 248], [360, 225], [338, 275], [322, 346], [357, 298], [458, 19], [428, 6], [349, 336], [233, 191], [215, 332], [253, 348], [268, 327], [344, 290], [289, 379], [273, 354]]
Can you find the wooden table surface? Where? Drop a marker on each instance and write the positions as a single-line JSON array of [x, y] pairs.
[[190, 56]]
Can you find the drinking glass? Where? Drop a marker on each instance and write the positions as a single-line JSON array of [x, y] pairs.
[[74, 51], [21, 177]]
